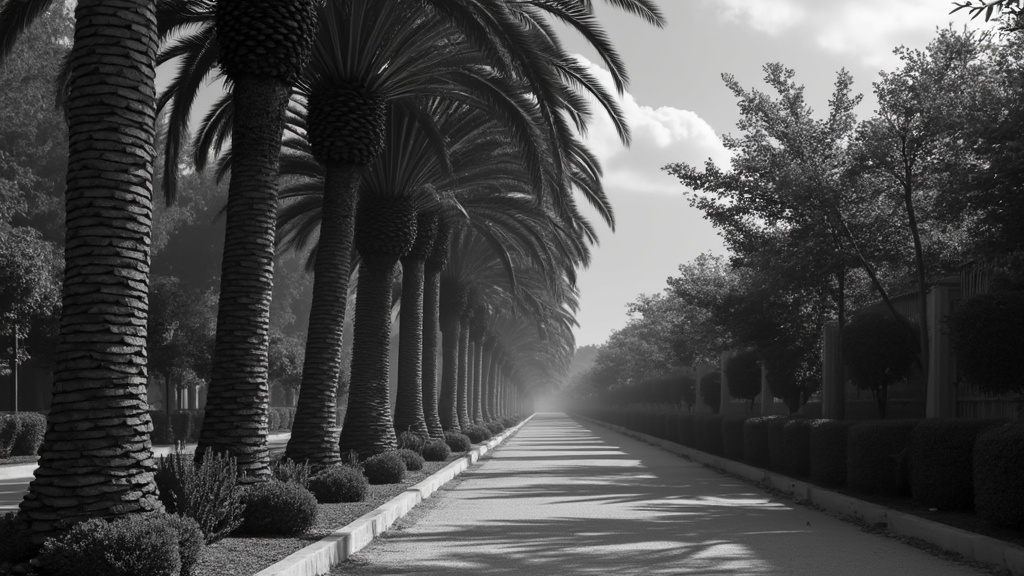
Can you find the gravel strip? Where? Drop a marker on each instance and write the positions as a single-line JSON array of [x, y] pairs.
[[245, 556]]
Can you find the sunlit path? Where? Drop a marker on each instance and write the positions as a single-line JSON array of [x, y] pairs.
[[567, 497]]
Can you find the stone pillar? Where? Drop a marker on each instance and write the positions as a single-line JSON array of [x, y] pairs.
[[833, 389], [941, 399]]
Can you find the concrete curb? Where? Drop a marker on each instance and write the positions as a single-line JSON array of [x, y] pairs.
[[318, 558], [970, 545], [12, 471]]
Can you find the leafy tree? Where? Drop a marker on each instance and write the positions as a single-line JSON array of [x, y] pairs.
[[879, 350], [743, 377], [181, 330]]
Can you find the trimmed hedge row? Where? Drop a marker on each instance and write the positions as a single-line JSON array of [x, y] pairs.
[[184, 425], [950, 464], [21, 433]]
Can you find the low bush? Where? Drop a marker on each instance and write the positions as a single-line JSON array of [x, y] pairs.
[[275, 508], [21, 433], [477, 433], [286, 470], [707, 429], [509, 422], [796, 447], [15, 545], [495, 427], [10, 427], [776, 445], [987, 334], [732, 437], [685, 433], [384, 468], [339, 484], [436, 450], [191, 541], [207, 492], [457, 441], [756, 451], [828, 451], [413, 460], [939, 449], [999, 475], [877, 456], [149, 544], [411, 441]]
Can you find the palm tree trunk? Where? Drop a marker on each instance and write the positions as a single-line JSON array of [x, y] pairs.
[[488, 380], [409, 401], [96, 458], [235, 421], [478, 381], [315, 434], [471, 383], [463, 379], [431, 335], [451, 331], [368, 428]]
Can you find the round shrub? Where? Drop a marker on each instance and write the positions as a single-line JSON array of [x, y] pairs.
[[796, 447], [339, 484], [879, 350], [999, 475], [275, 508], [31, 433], [743, 376], [411, 441], [495, 427], [436, 450], [877, 456], [509, 422], [384, 468], [413, 460], [828, 451], [457, 441], [707, 428], [732, 437], [756, 451], [939, 449], [191, 541], [685, 433], [477, 433], [136, 544], [987, 333]]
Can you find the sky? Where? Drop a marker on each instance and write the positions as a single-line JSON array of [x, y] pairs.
[[678, 108]]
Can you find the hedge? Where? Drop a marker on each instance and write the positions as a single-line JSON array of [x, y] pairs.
[[755, 440], [776, 445], [828, 439], [686, 435], [877, 456], [732, 437], [707, 431], [21, 433], [796, 447], [184, 425], [939, 451], [999, 475]]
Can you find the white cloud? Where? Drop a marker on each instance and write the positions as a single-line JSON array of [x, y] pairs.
[[768, 16], [659, 136]]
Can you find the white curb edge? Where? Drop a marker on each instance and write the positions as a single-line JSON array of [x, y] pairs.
[[970, 545], [318, 558]]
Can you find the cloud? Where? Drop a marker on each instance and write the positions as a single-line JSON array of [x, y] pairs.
[[769, 16], [659, 136]]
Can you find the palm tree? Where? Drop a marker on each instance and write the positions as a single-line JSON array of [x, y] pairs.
[[96, 459]]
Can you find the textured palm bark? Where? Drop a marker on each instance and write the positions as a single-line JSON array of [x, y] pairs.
[[478, 381], [368, 428], [315, 434], [409, 401], [96, 458], [470, 377], [431, 336], [235, 421], [463, 379], [448, 405], [488, 380]]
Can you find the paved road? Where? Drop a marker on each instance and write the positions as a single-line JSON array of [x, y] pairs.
[[569, 498], [12, 489]]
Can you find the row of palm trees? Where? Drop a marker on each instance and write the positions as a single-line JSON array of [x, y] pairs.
[[440, 135]]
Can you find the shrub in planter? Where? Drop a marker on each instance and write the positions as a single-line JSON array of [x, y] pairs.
[[999, 475], [10, 427], [285, 470], [987, 333], [879, 350], [877, 456], [436, 450], [755, 441], [384, 468], [137, 544], [457, 441], [685, 434], [828, 451], [796, 447], [477, 433], [413, 460], [411, 441], [30, 435], [707, 429], [732, 437], [275, 508], [939, 451], [495, 427], [207, 492], [339, 484]]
